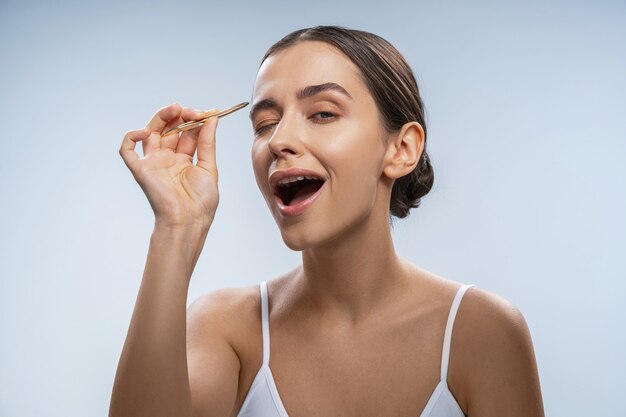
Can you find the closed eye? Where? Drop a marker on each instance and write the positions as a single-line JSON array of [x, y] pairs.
[[263, 128]]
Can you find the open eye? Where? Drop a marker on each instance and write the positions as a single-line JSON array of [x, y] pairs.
[[324, 115]]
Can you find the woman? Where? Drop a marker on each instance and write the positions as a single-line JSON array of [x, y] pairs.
[[339, 147]]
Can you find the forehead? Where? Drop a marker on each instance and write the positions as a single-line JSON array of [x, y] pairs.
[[306, 63]]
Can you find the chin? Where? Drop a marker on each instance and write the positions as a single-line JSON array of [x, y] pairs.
[[316, 231], [299, 240]]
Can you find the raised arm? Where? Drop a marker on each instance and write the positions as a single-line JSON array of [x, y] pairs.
[[152, 377]]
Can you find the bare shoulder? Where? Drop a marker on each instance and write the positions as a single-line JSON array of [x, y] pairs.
[[227, 310], [224, 299], [219, 327], [492, 316], [493, 357]]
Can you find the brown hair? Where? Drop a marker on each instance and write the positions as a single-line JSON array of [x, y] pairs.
[[392, 84]]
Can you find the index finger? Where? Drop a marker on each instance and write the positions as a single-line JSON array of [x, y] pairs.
[[163, 116], [156, 125]]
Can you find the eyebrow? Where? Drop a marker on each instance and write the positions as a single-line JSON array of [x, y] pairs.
[[302, 94]]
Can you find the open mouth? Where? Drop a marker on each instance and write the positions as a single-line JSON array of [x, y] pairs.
[[294, 192]]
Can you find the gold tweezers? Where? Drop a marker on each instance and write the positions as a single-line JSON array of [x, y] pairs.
[[203, 118]]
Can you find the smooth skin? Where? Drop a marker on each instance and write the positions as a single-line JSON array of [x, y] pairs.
[[356, 330]]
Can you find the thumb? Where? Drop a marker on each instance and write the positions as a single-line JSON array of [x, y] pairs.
[[206, 145]]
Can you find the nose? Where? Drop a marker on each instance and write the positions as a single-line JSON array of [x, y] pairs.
[[285, 139]]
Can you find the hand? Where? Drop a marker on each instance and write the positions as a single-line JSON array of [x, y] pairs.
[[180, 193]]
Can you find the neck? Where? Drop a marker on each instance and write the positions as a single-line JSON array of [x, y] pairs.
[[350, 277]]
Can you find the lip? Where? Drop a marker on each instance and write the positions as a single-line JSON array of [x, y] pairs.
[[297, 209]]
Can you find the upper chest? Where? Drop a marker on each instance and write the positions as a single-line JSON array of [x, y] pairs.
[[389, 367]]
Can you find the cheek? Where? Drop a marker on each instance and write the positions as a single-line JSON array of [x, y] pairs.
[[354, 155], [259, 157]]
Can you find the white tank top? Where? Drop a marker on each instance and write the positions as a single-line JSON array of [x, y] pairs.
[[263, 399]]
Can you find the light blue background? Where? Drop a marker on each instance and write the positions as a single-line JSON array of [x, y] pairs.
[[525, 106]]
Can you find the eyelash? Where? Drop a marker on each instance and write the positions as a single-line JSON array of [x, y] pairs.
[[264, 128]]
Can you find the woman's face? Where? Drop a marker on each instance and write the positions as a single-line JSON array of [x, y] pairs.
[[336, 133]]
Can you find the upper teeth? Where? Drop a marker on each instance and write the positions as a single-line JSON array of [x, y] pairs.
[[287, 180]]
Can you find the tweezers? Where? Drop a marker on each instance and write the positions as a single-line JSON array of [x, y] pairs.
[[203, 118]]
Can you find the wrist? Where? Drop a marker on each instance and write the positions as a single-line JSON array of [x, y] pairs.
[[182, 227], [179, 244], [191, 235]]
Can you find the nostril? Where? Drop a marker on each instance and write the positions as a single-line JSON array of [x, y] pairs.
[[284, 151]]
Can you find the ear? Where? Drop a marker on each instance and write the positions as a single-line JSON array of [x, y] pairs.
[[404, 150]]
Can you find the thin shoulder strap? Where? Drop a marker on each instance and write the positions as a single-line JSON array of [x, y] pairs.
[[445, 355], [265, 323]]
